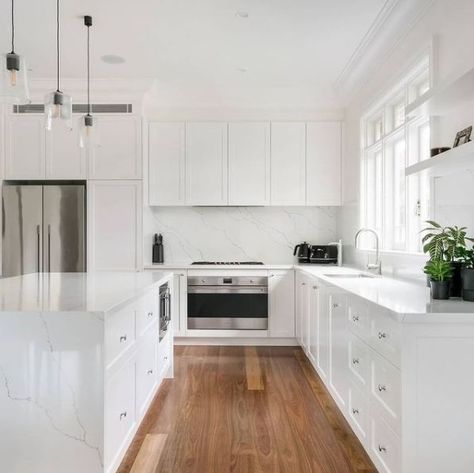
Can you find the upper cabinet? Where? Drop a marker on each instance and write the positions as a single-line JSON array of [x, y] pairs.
[[118, 155], [206, 163], [323, 163], [166, 164], [249, 163], [288, 143]]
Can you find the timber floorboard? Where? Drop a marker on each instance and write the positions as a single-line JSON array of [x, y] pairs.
[[245, 410]]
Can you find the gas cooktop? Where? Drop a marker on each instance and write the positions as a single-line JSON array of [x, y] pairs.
[[220, 263]]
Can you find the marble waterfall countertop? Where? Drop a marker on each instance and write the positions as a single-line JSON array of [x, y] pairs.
[[75, 292]]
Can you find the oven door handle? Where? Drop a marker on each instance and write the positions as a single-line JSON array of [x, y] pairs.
[[226, 290]]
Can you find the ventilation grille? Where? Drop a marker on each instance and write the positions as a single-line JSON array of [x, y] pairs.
[[79, 108]]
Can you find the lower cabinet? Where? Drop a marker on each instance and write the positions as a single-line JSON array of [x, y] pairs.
[[281, 304], [146, 376]]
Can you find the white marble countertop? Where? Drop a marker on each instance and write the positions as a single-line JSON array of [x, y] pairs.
[[74, 292], [409, 302], [164, 266]]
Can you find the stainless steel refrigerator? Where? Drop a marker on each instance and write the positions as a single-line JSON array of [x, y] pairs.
[[43, 229]]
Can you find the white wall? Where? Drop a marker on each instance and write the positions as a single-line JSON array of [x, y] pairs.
[[266, 234], [449, 26]]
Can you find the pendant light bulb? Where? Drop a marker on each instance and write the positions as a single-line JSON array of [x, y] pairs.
[[13, 76], [58, 105]]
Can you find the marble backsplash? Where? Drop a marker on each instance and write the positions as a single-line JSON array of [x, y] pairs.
[[266, 234]]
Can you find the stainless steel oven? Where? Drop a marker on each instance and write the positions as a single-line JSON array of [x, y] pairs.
[[228, 302], [165, 310]]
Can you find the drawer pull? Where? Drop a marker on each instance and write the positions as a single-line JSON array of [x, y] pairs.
[[315, 287], [149, 372], [355, 411], [382, 335], [165, 358], [150, 314], [355, 361], [303, 284], [335, 305], [382, 449], [382, 388], [123, 415], [123, 338], [355, 318]]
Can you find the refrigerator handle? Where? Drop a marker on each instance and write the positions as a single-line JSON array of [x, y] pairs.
[[49, 248], [38, 248]]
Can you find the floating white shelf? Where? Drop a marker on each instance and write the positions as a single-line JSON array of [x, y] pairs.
[[449, 162], [444, 98]]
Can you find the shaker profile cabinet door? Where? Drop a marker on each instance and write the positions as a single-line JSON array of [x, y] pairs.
[[249, 163], [288, 168], [114, 225], [206, 163], [323, 163], [25, 147], [281, 301], [166, 164], [118, 154]]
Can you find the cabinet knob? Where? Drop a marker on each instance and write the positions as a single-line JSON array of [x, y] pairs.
[[355, 411], [382, 335], [123, 415], [150, 314], [355, 318], [335, 305], [315, 287], [303, 284], [166, 358], [123, 338], [382, 449], [355, 361], [382, 387], [149, 372]]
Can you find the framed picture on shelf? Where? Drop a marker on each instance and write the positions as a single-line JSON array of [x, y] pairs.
[[464, 136]]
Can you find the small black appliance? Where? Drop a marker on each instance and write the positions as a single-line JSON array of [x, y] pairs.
[[158, 250], [302, 252], [323, 254]]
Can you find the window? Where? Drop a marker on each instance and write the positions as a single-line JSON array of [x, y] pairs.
[[390, 203]]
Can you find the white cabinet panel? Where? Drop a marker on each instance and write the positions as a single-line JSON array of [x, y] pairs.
[[315, 292], [323, 337], [206, 163], [166, 158], [323, 163], [288, 166], [249, 163], [114, 225], [119, 154], [147, 375], [25, 147], [281, 304], [64, 158]]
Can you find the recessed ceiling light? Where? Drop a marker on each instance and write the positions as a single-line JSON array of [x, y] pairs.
[[242, 14], [113, 59]]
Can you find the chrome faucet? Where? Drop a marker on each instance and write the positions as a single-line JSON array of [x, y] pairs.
[[377, 266]]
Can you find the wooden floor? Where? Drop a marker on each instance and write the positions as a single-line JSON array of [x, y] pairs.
[[244, 410]]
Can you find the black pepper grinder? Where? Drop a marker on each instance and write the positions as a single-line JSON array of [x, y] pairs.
[[158, 254]]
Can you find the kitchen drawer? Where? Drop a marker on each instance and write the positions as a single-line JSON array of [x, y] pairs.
[[164, 355], [147, 374], [386, 389], [358, 315], [385, 335], [119, 333], [358, 412], [147, 312], [359, 361], [385, 446], [119, 410]]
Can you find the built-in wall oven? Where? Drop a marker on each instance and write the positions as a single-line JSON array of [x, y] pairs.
[[228, 302], [165, 310]]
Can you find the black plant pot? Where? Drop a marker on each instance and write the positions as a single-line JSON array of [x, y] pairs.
[[468, 284], [456, 281], [440, 290]]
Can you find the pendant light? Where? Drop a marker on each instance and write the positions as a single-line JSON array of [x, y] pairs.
[[88, 135], [58, 105], [13, 76]]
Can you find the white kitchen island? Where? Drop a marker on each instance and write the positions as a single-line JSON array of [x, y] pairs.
[[80, 361]]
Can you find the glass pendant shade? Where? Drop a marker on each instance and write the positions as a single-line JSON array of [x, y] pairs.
[[58, 106], [89, 135], [13, 80]]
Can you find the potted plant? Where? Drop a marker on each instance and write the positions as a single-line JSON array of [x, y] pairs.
[[447, 243], [467, 258], [440, 274]]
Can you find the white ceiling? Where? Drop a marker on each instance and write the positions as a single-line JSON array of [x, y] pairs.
[[197, 43]]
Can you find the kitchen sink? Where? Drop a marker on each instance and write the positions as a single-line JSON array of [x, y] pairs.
[[350, 275]]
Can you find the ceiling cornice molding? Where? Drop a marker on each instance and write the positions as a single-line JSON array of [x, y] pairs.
[[394, 22]]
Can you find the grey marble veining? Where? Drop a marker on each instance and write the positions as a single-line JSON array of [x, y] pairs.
[[267, 234]]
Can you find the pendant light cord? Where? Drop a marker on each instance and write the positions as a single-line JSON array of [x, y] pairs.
[[13, 26], [57, 44], [88, 72]]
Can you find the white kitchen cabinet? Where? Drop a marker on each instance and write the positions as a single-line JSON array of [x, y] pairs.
[[323, 337], [119, 154], [249, 163], [206, 163], [323, 163], [25, 147], [64, 158], [288, 167], [281, 304], [302, 317], [166, 163], [313, 314], [114, 225]]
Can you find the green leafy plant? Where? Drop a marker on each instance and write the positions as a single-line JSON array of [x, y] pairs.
[[444, 243], [439, 270], [466, 256]]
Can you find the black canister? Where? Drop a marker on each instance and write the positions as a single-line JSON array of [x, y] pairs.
[[158, 253]]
